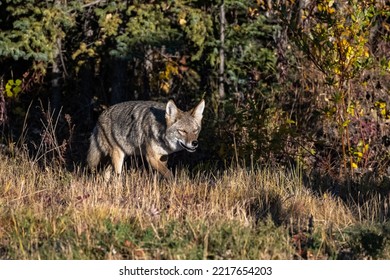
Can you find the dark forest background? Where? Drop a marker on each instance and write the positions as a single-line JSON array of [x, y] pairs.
[[287, 82]]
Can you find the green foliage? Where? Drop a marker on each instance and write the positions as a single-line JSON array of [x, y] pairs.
[[296, 75], [13, 88], [34, 29], [369, 240], [334, 46], [130, 27], [336, 41], [250, 73], [248, 51], [128, 240]]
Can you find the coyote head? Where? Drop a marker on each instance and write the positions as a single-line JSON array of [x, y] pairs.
[[183, 127]]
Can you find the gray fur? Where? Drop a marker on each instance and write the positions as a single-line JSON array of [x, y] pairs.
[[144, 128]]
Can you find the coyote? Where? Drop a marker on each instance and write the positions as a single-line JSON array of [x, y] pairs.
[[145, 128]]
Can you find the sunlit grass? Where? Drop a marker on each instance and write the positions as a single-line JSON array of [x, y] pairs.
[[50, 213]]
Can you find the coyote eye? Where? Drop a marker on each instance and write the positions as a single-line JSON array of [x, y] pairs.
[[182, 132]]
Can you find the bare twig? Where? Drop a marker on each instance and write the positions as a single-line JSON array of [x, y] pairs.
[[89, 4]]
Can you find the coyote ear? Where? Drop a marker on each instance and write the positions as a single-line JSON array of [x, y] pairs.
[[171, 112], [197, 112]]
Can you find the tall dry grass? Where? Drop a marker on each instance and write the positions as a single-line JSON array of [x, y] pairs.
[[50, 213]]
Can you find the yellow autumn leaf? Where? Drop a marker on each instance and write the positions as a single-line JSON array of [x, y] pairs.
[[380, 104], [351, 110], [182, 21], [76, 54], [108, 17], [13, 88], [350, 52], [83, 47], [165, 87], [91, 52], [359, 154], [346, 123], [17, 90], [290, 121]]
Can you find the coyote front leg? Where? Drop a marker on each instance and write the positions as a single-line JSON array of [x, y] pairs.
[[159, 162]]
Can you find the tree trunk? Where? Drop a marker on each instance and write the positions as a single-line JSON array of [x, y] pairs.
[[86, 76], [221, 73], [86, 84], [55, 102], [118, 78], [148, 68]]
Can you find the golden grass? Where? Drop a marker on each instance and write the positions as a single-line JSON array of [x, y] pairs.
[[52, 213]]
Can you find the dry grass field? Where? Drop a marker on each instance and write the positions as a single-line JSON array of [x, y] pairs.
[[267, 213]]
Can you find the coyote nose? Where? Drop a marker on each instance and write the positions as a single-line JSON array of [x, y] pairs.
[[194, 143]]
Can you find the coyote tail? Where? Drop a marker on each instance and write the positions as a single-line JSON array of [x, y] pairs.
[[94, 153]]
